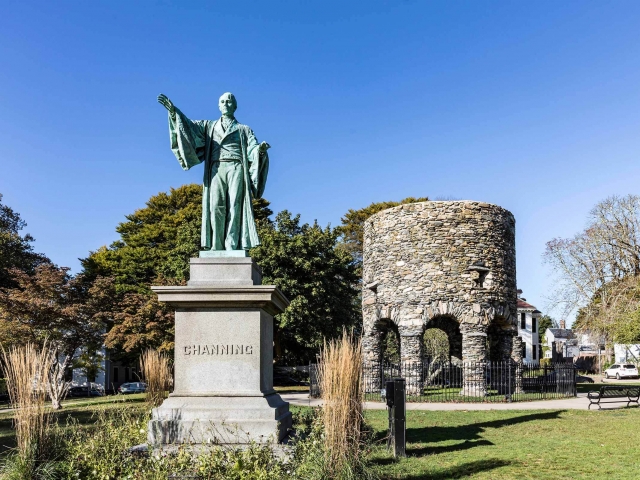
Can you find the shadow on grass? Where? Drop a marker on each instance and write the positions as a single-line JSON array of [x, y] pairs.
[[466, 445], [461, 471], [7, 436], [469, 436]]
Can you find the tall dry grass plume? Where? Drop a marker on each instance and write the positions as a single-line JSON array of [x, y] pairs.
[[26, 369], [340, 377], [157, 375]]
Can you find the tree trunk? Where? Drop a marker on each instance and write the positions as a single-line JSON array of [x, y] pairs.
[[56, 384]]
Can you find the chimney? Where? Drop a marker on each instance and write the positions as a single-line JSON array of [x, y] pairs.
[[563, 324]]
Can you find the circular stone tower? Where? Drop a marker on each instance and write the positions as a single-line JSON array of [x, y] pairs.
[[449, 265]]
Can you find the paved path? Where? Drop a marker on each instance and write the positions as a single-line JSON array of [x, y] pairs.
[[581, 402]]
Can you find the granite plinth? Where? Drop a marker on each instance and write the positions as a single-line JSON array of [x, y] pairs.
[[224, 271], [223, 391], [224, 254]]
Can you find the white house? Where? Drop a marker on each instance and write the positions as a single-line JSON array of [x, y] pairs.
[[528, 319], [109, 373], [562, 341]]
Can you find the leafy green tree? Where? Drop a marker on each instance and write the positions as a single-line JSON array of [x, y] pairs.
[[318, 279], [16, 250], [627, 329], [90, 363], [390, 346], [352, 228], [436, 344]]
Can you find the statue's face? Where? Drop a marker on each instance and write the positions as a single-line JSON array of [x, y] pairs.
[[227, 104]]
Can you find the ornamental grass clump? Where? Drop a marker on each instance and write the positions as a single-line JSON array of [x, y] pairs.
[[157, 374], [26, 369], [340, 375]]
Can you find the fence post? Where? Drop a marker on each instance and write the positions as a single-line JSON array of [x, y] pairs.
[[396, 401], [509, 381]]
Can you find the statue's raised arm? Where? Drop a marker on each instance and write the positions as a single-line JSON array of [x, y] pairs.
[[166, 103]]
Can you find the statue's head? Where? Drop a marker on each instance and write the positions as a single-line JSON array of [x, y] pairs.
[[227, 104]]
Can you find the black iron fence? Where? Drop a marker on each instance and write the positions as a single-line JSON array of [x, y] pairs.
[[434, 381]]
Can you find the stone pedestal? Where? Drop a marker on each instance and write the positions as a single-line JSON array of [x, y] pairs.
[[223, 390]]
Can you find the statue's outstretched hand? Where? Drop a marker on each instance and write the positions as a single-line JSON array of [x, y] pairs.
[[264, 146], [166, 103]]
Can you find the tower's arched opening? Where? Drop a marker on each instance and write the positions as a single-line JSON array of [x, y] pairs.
[[389, 341], [442, 339]]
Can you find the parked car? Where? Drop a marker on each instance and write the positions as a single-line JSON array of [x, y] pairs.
[[583, 379], [621, 370], [84, 391], [132, 387]]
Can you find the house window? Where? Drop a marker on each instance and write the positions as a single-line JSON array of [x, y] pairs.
[[127, 375], [534, 352], [523, 321], [524, 349], [533, 324]]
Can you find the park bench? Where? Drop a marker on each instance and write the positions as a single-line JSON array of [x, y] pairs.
[[614, 394]]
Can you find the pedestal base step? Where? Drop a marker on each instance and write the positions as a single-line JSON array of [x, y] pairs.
[[220, 420]]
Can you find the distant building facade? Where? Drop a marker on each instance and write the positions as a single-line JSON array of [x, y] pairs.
[[108, 373], [528, 328], [561, 343]]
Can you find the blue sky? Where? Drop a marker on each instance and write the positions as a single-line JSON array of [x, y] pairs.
[[531, 105]]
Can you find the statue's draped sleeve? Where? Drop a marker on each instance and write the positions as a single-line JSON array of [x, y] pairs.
[[187, 139], [258, 165]]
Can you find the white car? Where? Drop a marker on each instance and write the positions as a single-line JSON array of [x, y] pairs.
[[621, 370]]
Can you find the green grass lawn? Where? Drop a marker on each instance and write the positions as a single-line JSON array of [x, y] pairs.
[[563, 444]]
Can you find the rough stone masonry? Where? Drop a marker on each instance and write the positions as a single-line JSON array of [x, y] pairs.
[[441, 264]]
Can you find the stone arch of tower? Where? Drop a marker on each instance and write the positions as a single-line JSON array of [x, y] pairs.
[[447, 265]]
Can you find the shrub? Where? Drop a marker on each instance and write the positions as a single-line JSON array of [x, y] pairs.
[[100, 452], [26, 369], [157, 375], [340, 375]]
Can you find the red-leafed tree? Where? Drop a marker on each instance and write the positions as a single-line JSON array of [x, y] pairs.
[[70, 314]]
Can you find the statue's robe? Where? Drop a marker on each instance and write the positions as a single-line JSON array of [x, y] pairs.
[[194, 142]]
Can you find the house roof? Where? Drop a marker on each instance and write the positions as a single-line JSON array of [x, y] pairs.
[[522, 305], [561, 332]]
